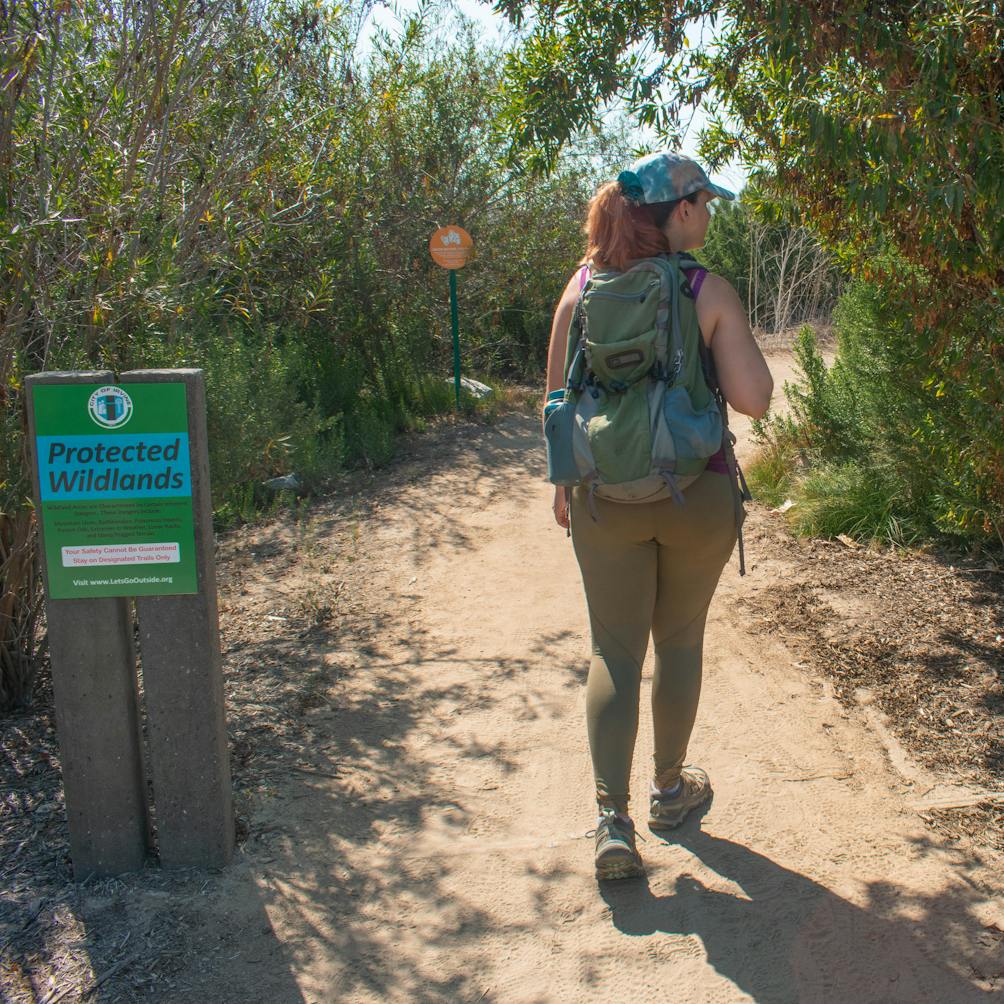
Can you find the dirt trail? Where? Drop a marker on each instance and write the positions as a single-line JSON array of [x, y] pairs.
[[431, 846], [416, 829]]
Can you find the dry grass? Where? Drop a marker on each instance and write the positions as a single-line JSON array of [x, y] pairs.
[[20, 607], [780, 341]]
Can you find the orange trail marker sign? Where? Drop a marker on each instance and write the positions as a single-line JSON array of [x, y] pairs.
[[451, 247]]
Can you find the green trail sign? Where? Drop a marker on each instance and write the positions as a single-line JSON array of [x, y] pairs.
[[115, 489], [121, 478]]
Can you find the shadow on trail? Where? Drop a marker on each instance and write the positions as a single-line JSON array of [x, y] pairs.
[[429, 479], [132, 937], [374, 779], [320, 773], [357, 849], [340, 864], [781, 937]]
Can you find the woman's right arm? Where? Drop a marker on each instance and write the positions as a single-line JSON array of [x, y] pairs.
[[559, 335], [556, 373], [742, 370]]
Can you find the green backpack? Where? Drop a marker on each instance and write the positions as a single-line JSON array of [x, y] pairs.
[[637, 421], [641, 412]]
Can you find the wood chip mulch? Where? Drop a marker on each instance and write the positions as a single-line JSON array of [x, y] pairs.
[[921, 632]]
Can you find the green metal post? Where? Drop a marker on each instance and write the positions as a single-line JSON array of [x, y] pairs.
[[456, 334]]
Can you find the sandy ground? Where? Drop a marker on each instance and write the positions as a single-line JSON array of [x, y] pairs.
[[447, 859], [429, 843]]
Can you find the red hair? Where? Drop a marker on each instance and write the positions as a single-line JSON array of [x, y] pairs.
[[619, 232]]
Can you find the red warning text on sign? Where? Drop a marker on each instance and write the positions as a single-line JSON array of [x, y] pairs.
[[120, 554]]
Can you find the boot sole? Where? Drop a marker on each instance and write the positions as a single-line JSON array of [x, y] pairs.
[[623, 868], [672, 822]]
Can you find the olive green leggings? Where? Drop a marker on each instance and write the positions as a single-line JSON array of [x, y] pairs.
[[649, 567]]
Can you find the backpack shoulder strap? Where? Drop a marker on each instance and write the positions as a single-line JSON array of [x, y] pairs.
[[695, 278]]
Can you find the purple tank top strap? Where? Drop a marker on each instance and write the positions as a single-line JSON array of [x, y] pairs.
[[583, 276], [695, 277]]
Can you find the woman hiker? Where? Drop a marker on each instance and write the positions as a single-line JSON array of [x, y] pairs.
[[652, 567]]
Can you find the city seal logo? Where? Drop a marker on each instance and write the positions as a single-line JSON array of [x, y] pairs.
[[110, 407]]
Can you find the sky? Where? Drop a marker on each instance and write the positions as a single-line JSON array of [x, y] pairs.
[[497, 30]]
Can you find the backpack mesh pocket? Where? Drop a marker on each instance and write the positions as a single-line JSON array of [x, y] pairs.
[[697, 433]]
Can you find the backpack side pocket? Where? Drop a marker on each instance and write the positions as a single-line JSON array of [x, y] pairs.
[[559, 437], [697, 433]]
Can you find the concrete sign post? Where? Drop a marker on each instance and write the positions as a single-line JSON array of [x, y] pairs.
[[122, 492]]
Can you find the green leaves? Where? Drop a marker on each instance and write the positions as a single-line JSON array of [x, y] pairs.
[[881, 127], [867, 116]]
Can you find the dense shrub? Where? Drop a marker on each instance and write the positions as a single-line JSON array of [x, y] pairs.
[[243, 188], [881, 446]]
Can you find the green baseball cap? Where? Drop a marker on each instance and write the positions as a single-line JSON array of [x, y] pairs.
[[666, 177]]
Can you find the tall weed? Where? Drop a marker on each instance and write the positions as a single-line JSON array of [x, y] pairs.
[[773, 473], [859, 500]]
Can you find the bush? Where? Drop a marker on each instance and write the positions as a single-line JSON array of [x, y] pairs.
[[262, 416], [269, 230], [893, 441], [823, 408]]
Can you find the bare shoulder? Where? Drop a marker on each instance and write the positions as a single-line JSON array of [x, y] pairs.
[[566, 303], [719, 292], [742, 371], [571, 291], [716, 302]]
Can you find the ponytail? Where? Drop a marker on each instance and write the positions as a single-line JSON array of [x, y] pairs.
[[619, 231]]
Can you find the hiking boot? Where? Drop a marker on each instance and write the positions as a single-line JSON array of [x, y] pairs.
[[616, 854], [669, 811]]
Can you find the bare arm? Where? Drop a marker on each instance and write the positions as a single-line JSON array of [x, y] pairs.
[[556, 373], [559, 334], [742, 370]]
